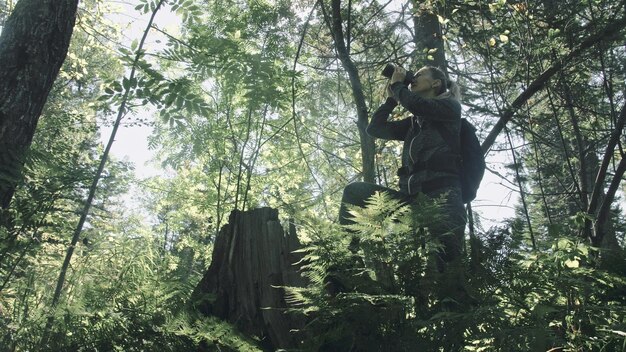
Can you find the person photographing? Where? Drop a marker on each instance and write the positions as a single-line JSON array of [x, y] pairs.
[[435, 163], [429, 164]]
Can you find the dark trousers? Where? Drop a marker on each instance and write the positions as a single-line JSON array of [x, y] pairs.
[[444, 273], [357, 193]]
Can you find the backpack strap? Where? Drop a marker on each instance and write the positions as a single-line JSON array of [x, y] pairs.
[[449, 139]]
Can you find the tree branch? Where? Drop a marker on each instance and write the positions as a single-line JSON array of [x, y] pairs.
[[367, 142], [602, 172], [605, 207], [607, 34]]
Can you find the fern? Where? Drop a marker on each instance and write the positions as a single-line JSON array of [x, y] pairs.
[[366, 289]]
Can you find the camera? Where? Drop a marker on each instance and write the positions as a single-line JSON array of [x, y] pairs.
[[388, 72]]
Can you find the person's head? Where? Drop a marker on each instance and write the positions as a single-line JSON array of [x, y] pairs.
[[430, 82]]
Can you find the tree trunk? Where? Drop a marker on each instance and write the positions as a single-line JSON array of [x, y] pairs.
[[367, 142], [33, 46], [428, 36], [252, 259], [599, 204]]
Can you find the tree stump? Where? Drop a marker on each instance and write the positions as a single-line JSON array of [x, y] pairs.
[[252, 258]]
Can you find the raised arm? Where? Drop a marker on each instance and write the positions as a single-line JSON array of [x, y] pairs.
[[381, 127], [435, 109]]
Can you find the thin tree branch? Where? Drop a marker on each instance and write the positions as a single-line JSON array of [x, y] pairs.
[[605, 207], [367, 142], [607, 34], [92, 190], [293, 102], [602, 172]]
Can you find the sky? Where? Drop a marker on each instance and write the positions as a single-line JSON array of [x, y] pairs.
[[495, 200]]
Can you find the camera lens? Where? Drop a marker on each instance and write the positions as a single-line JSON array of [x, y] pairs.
[[388, 70]]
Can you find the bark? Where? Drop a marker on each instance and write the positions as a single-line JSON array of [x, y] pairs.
[[604, 233], [428, 36], [602, 220], [252, 259], [367, 142], [33, 46], [598, 190]]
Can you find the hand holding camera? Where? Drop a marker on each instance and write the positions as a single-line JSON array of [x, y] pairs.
[[398, 74]]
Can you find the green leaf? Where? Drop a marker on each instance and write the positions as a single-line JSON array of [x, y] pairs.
[[572, 263], [126, 83]]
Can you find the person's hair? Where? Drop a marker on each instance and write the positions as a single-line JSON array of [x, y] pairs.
[[446, 84]]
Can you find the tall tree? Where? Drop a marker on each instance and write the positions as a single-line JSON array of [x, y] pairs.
[[342, 46], [33, 45], [428, 34], [560, 101]]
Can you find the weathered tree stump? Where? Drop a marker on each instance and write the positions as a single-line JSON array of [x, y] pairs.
[[252, 258]]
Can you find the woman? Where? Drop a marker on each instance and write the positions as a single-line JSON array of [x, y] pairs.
[[429, 165]]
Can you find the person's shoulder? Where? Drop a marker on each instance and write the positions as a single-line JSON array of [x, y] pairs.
[[451, 101]]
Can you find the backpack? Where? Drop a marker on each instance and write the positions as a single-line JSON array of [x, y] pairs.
[[472, 165]]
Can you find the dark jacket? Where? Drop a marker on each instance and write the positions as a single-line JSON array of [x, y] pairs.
[[428, 162]]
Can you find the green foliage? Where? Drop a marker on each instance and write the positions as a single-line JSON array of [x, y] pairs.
[[125, 293], [239, 123], [377, 293], [211, 333], [371, 281], [126, 287], [534, 301]]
